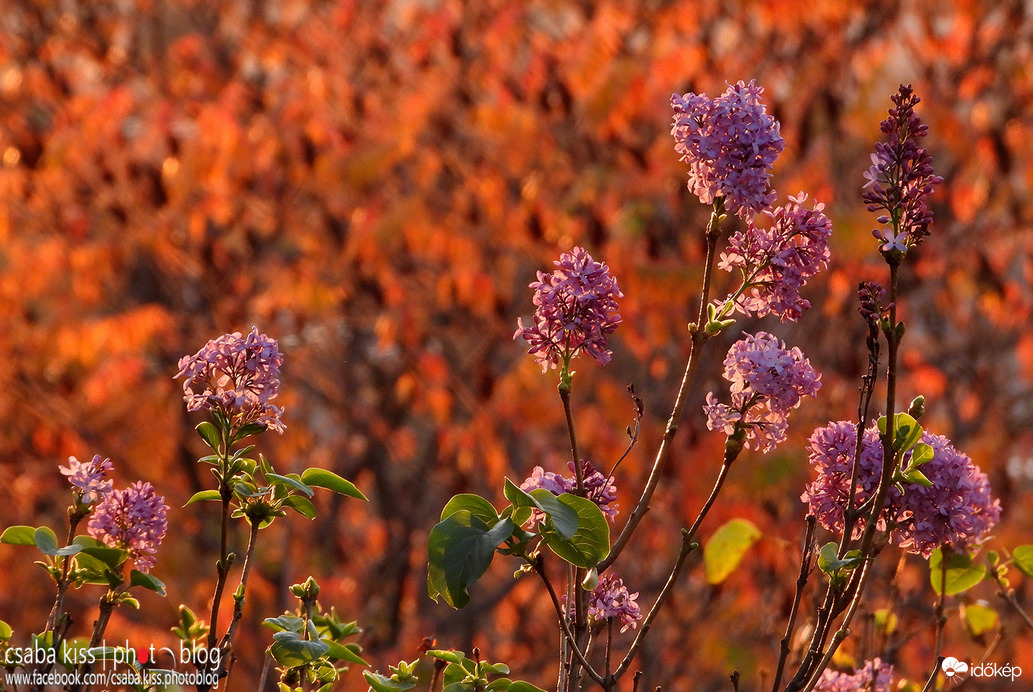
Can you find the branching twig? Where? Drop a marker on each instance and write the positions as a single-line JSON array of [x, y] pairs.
[[699, 337], [801, 582]]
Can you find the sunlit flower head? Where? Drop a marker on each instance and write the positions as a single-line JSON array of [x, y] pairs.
[[777, 260], [575, 310], [767, 382], [958, 509], [730, 144], [132, 518], [610, 600], [236, 376], [87, 478], [901, 177]]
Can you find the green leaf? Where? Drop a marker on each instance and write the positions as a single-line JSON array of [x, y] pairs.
[[321, 478], [300, 504], [147, 581], [590, 542], [203, 496], [290, 650], [979, 619], [46, 541], [277, 479], [1022, 556], [5, 631], [521, 686], [459, 550], [109, 557], [921, 454], [916, 476], [474, 504], [962, 574], [448, 655], [726, 548], [829, 562], [19, 535], [906, 431], [382, 683], [210, 434], [561, 518], [344, 653], [285, 622]]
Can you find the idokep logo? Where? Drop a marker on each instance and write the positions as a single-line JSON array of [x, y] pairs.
[[955, 670]]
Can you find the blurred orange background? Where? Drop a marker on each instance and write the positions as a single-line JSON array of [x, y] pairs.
[[375, 183]]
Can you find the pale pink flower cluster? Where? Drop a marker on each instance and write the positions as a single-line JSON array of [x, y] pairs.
[[777, 260], [236, 376], [610, 600], [767, 382], [132, 518], [958, 509], [874, 676], [730, 144], [575, 310], [87, 478]]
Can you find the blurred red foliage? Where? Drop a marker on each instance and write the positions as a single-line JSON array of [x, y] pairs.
[[375, 184]]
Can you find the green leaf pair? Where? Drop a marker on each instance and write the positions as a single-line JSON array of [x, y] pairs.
[[462, 545]]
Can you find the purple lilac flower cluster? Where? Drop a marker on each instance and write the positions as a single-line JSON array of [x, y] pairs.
[[610, 600], [132, 518], [958, 509], [874, 676], [730, 144], [87, 478], [598, 488], [768, 381], [778, 260], [901, 177], [237, 376], [575, 310]]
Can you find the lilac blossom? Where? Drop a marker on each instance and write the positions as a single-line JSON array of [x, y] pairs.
[[776, 261], [575, 310], [874, 676], [901, 177], [87, 478], [610, 600], [132, 518], [237, 377], [598, 488], [730, 144], [768, 381], [958, 509]]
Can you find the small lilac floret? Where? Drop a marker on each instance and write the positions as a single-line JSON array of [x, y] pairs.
[[236, 376], [958, 509], [134, 519], [874, 676], [575, 310], [730, 144], [767, 382], [610, 600], [776, 261], [87, 478]]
